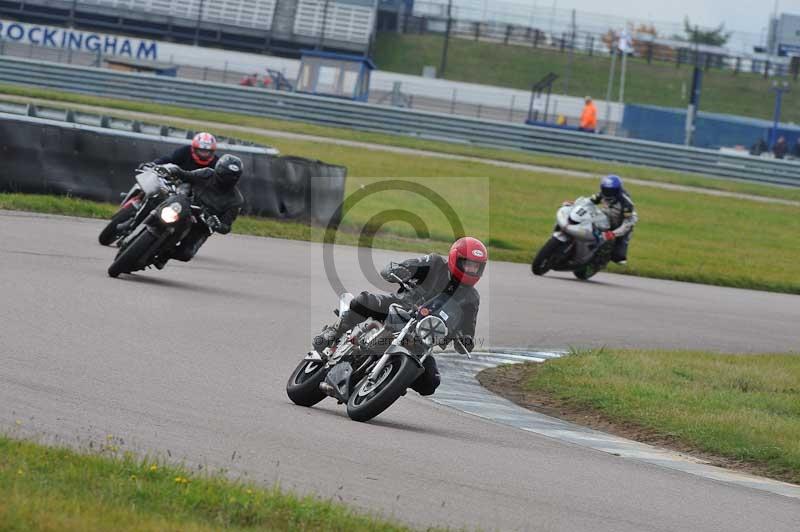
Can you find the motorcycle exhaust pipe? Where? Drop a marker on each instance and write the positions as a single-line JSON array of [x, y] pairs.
[[327, 389]]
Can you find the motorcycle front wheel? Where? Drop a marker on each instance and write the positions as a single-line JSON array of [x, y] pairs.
[[370, 399], [127, 258], [585, 273], [544, 261], [303, 385]]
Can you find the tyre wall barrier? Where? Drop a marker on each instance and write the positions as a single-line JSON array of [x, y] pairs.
[[44, 156]]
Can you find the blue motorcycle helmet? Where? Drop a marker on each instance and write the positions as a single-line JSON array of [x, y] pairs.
[[611, 187]]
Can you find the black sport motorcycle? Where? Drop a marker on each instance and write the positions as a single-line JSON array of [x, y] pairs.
[[373, 364], [160, 229]]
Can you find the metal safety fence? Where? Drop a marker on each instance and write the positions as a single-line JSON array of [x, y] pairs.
[[395, 121]]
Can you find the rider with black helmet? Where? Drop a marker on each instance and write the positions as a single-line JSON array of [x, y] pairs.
[[215, 189], [615, 201]]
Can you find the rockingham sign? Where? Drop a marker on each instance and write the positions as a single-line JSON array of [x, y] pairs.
[[84, 41], [129, 47]]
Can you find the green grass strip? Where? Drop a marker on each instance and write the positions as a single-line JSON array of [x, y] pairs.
[[743, 407], [47, 488], [684, 237]]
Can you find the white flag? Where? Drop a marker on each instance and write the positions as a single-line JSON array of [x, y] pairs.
[[625, 43]]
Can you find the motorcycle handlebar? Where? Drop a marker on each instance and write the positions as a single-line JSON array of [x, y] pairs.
[[401, 282]]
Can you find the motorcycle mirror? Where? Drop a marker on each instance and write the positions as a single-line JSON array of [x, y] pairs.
[[344, 303]]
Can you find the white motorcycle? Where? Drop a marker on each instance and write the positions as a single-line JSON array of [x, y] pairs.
[[577, 243]]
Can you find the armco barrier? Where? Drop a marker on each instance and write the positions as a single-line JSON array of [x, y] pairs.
[[63, 114], [53, 157], [367, 117]]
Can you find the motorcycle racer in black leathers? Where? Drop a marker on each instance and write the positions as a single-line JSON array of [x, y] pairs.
[[215, 189], [428, 277]]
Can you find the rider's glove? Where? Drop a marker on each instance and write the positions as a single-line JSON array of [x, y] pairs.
[[214, 223], [168, 170], [566, 203], [399, 270], [609, 235]]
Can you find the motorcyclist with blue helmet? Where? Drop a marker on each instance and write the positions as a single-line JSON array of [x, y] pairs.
[[616, 203]]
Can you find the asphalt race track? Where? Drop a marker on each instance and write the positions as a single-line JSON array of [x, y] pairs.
[[192, 361]]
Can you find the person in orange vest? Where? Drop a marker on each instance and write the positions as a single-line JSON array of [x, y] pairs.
[[589, 116]]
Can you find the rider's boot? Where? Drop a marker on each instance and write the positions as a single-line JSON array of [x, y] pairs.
[[161, 261], [331, 333]]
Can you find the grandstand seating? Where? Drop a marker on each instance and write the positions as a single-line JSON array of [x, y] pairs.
[[278, 26]]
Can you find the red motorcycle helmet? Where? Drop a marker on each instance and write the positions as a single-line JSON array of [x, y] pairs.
[[467, 260], [203, 147]]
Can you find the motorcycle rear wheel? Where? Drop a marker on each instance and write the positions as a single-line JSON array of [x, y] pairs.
[[303, 384], [109, 233], [398, 374], [543, 262], [128, 257]]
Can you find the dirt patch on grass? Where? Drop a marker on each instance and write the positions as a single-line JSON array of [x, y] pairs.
[[508, 382]]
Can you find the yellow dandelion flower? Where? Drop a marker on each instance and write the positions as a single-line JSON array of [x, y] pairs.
[[153, 468], [133, 477], [249, 491], [20, 472], [18, 422]]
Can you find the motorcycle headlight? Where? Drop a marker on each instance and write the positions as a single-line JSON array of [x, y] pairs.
[[431, 330], [171, 213]]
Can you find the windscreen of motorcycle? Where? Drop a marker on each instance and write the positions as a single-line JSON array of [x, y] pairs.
[[149, 182], [584, 211]]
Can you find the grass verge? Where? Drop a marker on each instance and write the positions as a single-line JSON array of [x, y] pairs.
[[656, 83], [171, 115], [739, 411], [47, 488]]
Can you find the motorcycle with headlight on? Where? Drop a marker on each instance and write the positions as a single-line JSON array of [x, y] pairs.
[[374, 363], [160, 229]]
